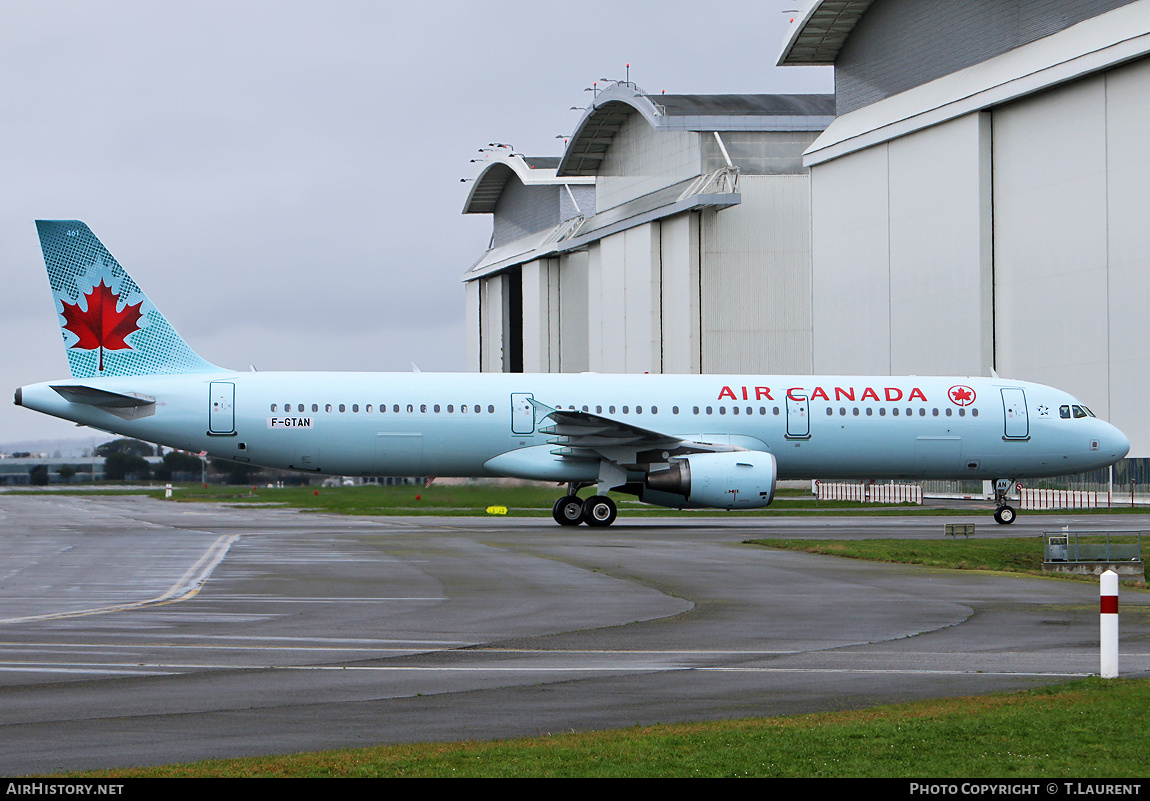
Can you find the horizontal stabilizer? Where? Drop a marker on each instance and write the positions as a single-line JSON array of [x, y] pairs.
[[128, 405]]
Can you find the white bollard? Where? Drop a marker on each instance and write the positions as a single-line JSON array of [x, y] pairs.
[[167, 490], [1109, 625]]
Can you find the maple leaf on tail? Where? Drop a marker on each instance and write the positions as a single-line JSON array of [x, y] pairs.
[[101, 326]]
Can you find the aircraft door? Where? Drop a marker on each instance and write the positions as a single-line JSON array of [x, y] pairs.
[[222, 407], [1017, 420], [522, 413], [798, 416]]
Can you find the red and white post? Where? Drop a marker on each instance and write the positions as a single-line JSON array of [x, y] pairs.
[[1109, 625]]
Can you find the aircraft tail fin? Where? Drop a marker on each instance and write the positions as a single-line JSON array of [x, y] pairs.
[[109, 326]]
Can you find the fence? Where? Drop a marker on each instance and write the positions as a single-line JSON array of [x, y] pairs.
[[869, 493], [1061, 499]]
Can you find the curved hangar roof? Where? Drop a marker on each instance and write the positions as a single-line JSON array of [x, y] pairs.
[[612, 106], [503, 164], [817, 35]]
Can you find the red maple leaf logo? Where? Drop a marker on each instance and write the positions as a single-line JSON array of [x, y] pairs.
[[963, 396], [101, 326]]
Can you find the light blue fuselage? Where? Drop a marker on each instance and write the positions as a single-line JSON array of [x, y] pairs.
[[484, 424]]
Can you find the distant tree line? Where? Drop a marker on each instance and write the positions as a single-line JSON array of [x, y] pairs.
[[124, 461]]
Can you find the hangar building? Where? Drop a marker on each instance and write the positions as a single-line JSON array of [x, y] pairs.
[[984, 191], [977, 206], [673, 236]]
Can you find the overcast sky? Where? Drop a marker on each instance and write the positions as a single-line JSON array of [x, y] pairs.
[[282, 177]]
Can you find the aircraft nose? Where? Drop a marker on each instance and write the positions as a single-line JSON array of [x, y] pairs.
[[1115, 442]]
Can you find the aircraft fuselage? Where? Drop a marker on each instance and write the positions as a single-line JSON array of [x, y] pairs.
[[403, 424]]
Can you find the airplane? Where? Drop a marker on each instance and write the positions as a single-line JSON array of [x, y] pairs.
[[677, 441]]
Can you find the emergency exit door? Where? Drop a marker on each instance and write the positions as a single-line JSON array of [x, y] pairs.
[[222, 408], [522, 413], [798, 416]]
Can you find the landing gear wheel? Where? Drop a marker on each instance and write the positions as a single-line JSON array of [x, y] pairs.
[[568, 510], [599, 511], [1004, 515]]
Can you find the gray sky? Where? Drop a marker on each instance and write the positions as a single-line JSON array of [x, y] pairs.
[[282, 178]]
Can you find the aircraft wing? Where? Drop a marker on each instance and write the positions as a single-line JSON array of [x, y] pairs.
[[592, 437]]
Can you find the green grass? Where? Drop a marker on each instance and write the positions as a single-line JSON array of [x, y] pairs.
[[1012, 554], [453, 499], [1008, 554], [474, 499], [1090, 728], [521, 501]]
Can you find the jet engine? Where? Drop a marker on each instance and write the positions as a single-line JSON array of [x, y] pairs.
[[732, 480]]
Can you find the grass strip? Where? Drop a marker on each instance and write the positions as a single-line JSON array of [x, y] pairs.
[[473, 500], [1005, 554], [1088, 728]]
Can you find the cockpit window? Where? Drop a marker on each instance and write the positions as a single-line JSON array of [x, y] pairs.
[[1079, 411]]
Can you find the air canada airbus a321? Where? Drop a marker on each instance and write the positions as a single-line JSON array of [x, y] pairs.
[[679, 441]]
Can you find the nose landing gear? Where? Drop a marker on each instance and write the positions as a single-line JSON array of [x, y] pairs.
[[1004, 514]]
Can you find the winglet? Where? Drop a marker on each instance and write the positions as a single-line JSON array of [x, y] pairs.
[[108, 324]]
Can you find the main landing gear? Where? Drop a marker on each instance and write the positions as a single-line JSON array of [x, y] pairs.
[[570, 510], [1004, 514]]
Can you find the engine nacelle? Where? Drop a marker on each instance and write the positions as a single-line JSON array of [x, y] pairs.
[[732, 480]]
